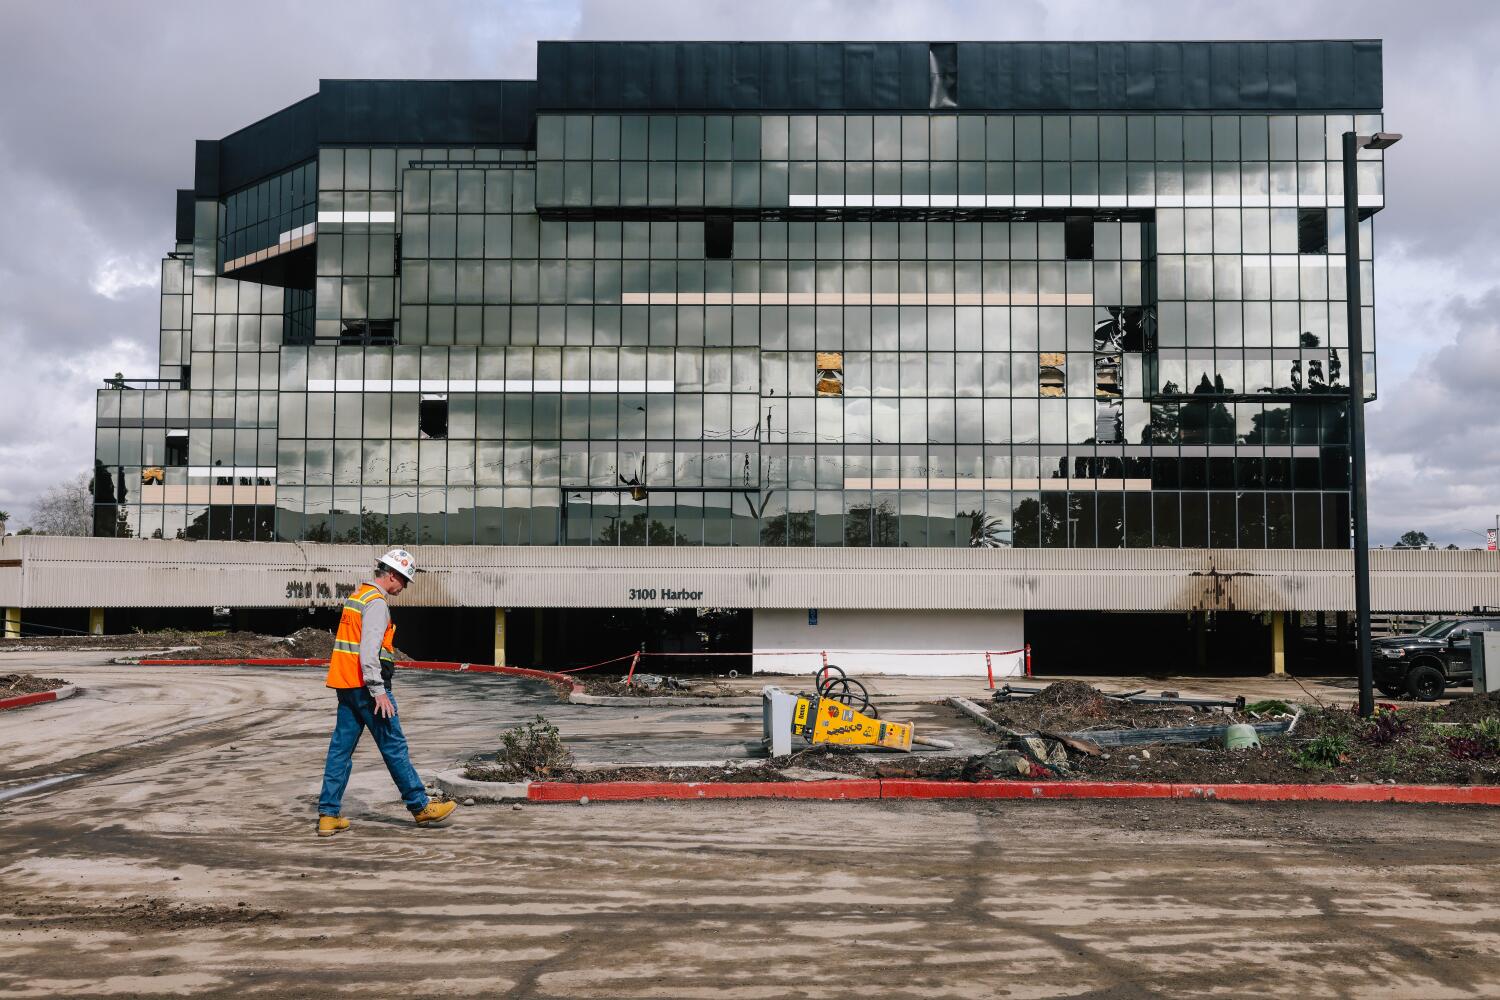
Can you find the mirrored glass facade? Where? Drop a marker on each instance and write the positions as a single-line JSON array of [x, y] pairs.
[[934, 326]]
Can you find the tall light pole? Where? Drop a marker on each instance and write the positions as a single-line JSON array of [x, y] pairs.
[[1353, 143]]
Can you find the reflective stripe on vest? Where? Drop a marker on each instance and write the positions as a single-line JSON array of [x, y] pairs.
[[343, 665]]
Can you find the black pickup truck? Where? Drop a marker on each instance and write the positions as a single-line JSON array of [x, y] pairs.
[[1427, 663]]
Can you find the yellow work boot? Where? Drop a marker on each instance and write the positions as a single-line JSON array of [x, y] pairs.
[[435, 812], [329, 825]]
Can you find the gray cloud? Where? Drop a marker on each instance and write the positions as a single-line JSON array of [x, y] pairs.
[[104, 100]]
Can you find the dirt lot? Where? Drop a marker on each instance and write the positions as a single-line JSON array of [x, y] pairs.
[[195, 794]]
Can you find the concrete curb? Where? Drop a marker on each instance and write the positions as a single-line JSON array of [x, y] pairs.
[[642, 791], [624, 701], [900, 788], [456, 786], [975, 713], [39, 698]]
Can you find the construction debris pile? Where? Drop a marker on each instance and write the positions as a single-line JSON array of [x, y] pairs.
[[657, 686], [1457, 744], [15, 685]]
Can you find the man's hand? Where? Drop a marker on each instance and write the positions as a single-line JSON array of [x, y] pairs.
[[383, 706]]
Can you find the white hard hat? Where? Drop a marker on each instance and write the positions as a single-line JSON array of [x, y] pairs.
[[400, 561]]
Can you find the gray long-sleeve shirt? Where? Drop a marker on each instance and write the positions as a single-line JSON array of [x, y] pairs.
[[377, 617]]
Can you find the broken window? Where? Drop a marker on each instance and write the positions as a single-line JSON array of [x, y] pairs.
[[1120, 328], [1078, 237], [186, 376], [1107, 383], [718, 238], [368, 332], [1052, 373], [1109, 421], [942, 75], [1109, 390], [1312, 230], [830, 373], [177, 448], [432, 416]]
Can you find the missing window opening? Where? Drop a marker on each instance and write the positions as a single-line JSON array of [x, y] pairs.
[[1107, 383], [718, 238], [1312, 230], [942, 75], [432, 416], [1078, 237], [177, 449], [1052, 373], [830, 373]]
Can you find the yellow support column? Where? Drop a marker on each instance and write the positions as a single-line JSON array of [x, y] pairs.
[[12, 623], [1278, 643], [499, 637], [96, 621]]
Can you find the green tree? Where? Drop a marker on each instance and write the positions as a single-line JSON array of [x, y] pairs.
[[1413, 540]]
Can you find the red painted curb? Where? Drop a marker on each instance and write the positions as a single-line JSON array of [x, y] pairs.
[[907, 788], [636, 791], [900, 788], [22, 700], [261, 662], [471, 668], [1484, 795]]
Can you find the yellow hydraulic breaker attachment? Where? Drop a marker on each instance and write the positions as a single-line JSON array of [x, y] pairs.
[[839, 714], [823, 720]]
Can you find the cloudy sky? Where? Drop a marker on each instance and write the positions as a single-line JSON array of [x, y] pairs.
[[103, 102]]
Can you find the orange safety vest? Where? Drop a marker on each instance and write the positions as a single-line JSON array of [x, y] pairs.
[[343, 665]]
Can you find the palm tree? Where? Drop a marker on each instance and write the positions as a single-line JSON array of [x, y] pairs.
[[4, 517]]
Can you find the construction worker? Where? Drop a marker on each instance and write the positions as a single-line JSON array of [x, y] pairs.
[[360, 670]]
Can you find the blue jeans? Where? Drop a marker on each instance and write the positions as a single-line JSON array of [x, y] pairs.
[[356, 714]]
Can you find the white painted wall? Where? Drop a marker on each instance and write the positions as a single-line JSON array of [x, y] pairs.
[[888, 642]]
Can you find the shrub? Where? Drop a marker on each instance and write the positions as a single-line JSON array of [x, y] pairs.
[[532, 751]]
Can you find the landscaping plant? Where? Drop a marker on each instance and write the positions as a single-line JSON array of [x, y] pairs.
[[532, 751]]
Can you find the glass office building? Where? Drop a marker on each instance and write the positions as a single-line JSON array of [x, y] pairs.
[[764, 294]]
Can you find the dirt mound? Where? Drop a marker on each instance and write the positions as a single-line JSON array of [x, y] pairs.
[[1074, 706], [1334, 745], [672, 688], [13, 685], [1472, 708]]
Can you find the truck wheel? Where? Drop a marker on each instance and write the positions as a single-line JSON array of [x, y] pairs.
[[1425, 683], [1391, 690]]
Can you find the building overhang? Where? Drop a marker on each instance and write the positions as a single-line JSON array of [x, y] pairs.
[[42, 572]]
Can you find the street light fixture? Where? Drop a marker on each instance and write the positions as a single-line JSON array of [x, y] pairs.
[[1353, 143]]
